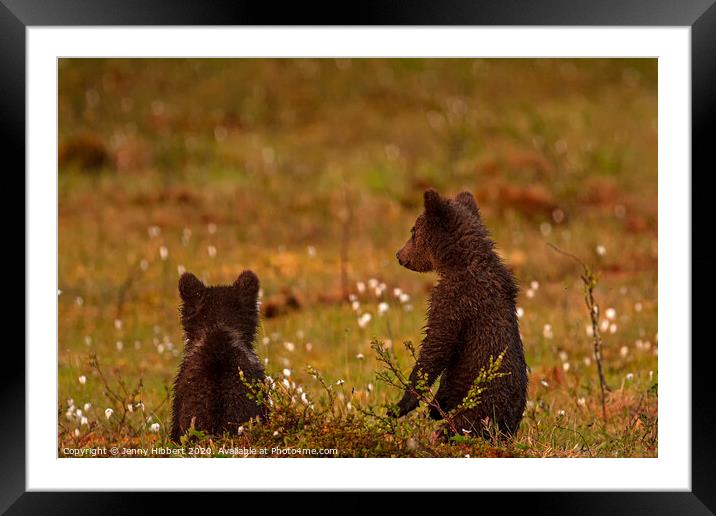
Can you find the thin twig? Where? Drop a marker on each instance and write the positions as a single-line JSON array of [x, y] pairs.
[[589, 279], [345, 242], [124, 289]]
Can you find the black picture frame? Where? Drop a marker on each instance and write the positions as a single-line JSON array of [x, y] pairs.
[[700, 15]]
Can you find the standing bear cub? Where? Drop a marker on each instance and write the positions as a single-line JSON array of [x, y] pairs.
[[220, 328], [471, 317]]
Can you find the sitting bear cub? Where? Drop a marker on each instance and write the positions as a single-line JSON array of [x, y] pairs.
[[471, 317], [220, 327]]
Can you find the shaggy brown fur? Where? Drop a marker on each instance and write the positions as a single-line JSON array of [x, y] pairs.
[[220, 327], [472, 316]]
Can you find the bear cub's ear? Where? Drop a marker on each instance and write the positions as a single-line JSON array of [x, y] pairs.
[[190, 287], [248, 284], [435, 206], [468, 201]]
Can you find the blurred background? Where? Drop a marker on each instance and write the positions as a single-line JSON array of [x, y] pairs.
[[311, 173]]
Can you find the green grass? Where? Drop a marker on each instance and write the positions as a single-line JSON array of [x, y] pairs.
[[264, 159]]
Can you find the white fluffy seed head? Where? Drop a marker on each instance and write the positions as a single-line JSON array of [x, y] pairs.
[[364, 319]]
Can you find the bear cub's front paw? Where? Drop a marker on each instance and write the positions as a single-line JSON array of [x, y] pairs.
[[405, 405]]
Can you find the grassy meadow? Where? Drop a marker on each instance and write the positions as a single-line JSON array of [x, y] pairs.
[[311, 173]]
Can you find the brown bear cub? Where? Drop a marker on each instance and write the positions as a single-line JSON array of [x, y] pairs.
[[220, 328], [471, 317]]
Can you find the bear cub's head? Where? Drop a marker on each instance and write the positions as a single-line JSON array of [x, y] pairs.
[[233, 307], [435, 237]]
